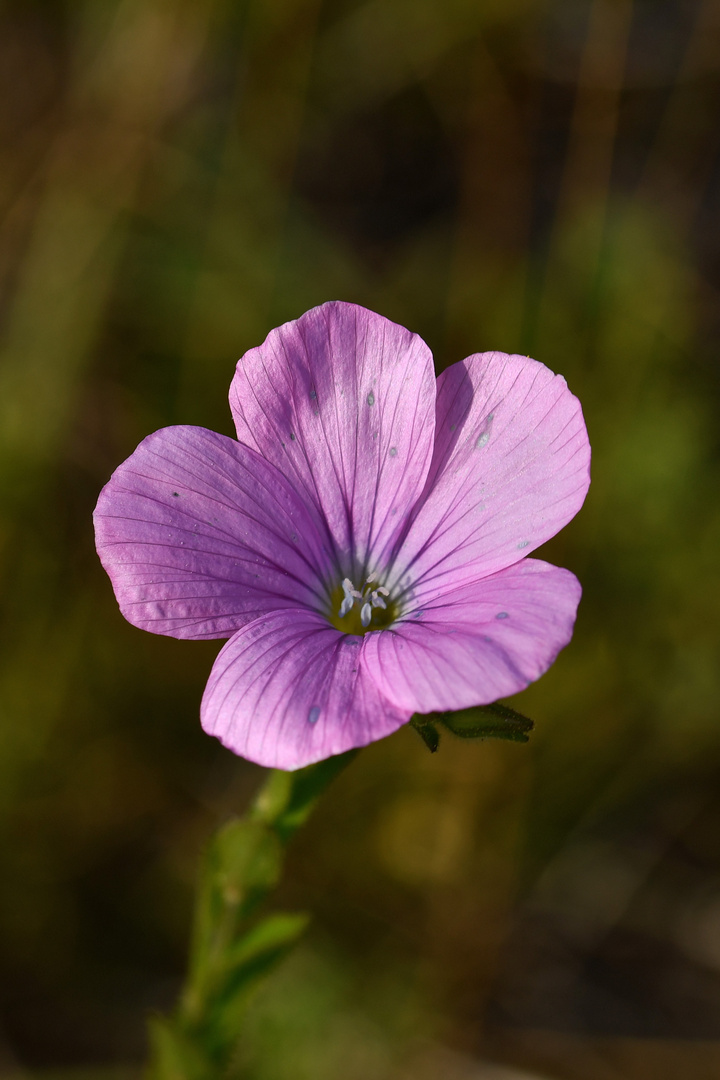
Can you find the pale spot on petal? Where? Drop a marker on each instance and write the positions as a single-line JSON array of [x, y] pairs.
[[314, 714], [484, 437]]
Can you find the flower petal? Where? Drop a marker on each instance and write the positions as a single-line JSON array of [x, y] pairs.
[[479, 642], [200, 535], [289, 689], [511, 467], [343, 402]]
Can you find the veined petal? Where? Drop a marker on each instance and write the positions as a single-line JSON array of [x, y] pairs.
[[511, 466], [479, 642], [289, 689], [200, 535], [342, 401]]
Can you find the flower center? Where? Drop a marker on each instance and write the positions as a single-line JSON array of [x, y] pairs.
[[357, 611]]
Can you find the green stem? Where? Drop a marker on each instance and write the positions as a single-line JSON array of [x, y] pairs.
[[232, 949]]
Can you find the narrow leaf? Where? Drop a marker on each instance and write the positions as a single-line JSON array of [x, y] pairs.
[[241, 866], [273, 931], [247, 963], [496, 721], [173, 1056], [287, 799], [427, 732]]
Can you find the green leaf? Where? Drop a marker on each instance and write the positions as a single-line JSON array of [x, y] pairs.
[[242, 865], [173, 1056], [273, 932], [496, 721], [427, 732], [288, 798], [228, 958], [247, 963]]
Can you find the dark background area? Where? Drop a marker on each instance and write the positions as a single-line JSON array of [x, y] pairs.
[[178, 177]]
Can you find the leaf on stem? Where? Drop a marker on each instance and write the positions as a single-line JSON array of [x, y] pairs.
[[427, 731], [253, 956], [288, 798], [496, 721], [173, 1055], [242, 865], [231, 954]]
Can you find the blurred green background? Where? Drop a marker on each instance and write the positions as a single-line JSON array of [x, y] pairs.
[[538, 176]]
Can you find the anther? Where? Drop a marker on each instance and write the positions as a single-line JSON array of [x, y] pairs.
[[370, 599], [349, 589], [346, 606]]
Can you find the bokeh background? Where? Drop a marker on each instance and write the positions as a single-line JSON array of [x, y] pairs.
[[537, 176]]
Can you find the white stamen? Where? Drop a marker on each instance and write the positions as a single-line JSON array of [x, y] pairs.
[[346, 606], [350, 590], [369, 598]]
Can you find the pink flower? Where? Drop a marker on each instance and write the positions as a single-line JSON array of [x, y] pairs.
[[363, 544]]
